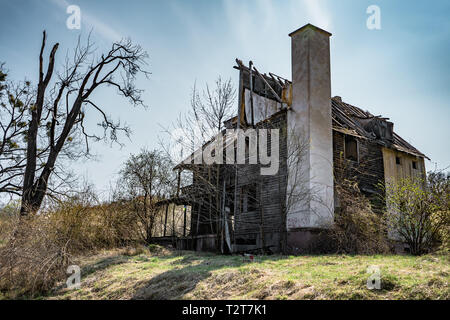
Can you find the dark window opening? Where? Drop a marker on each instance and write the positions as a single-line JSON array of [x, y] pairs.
[[247, 148], [249, 198], [414, 165], [398, 160], [351, 148]]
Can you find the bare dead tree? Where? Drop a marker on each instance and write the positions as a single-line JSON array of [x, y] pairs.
[[65, 106], [209, 109], [214, 106]]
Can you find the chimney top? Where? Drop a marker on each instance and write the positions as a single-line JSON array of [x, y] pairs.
[[309, 26], [337, 98]]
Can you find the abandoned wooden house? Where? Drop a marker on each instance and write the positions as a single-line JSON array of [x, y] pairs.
[[234, 208]]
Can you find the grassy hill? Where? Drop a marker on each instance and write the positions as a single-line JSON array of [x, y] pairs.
[[164, 274]]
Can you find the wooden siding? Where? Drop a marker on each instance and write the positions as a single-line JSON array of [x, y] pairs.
[[368, 171], [265, 225], [405, 168], [271, 193]]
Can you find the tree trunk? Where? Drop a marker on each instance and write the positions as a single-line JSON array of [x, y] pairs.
[[31, 197]]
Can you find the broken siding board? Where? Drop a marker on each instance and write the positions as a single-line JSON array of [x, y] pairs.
[[263, 107]]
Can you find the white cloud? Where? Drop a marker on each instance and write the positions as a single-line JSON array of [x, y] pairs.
[[318, 13], [315, 12]]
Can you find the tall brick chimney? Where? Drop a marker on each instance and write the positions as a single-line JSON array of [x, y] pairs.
[[309, 123]]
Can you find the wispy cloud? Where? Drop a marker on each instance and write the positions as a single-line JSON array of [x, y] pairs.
[[253, 24], [98, 26], [317, 12], [268, 18]]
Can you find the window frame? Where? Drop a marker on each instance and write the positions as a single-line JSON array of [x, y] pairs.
[[346, 136], [249, 202]]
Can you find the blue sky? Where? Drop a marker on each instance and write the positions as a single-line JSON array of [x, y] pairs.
[[401, 71]]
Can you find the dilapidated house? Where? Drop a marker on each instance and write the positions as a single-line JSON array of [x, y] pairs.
[[234, 208]]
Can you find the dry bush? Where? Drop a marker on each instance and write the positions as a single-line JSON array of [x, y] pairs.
[[37, 249], [7, 216], [93, 227], [34, 257], [357, 229]]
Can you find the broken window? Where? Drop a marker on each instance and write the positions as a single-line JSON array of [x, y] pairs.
[[414, 165], [249, 198], [398, 160], [351, 148]]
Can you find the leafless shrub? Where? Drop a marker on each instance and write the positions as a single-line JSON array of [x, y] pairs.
[[38, 248], [418, 211], [34, 258], [357, 228]]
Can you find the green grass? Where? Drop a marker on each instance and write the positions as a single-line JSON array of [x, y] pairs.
[[187, 275]]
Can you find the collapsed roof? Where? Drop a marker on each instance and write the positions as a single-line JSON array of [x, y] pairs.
[[347, 118]]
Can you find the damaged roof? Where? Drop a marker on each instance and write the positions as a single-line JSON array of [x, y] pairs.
[[347, 118]]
